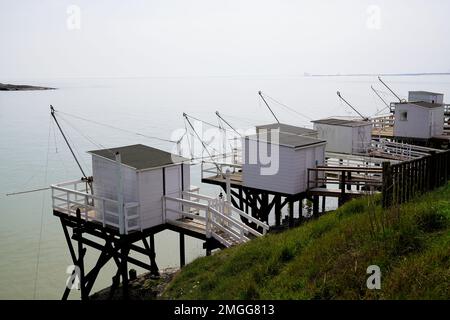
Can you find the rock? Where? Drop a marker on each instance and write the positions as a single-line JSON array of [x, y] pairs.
[[144, 287], [14, 87]]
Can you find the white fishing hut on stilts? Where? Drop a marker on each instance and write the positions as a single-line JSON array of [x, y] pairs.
[[136, 192]]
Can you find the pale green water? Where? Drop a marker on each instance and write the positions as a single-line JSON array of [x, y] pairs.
[[150, 106]]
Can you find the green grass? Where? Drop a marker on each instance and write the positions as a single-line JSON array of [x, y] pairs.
[[327, 258]]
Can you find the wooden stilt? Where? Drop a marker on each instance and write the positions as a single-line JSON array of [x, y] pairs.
[[323, 204], [315, 206], [79, 232], [291, 213], [182, 251], [152, 254], [300, 209], [241, 200], [278, 211], [124, 271]]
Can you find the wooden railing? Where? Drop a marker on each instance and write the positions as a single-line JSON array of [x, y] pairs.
[[222, 220], [382, 122], [350, 160], [67, 197], [403, 181], [398, 150], [217, 169], [350, 181]]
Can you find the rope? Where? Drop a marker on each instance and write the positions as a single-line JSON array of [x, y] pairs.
[[61, 160], [287, 107], [54, 136], [76, 150], [27, 191], [201, 141], [98, 145], [191, 153], [209, 123], [36, 274], [116, 128]]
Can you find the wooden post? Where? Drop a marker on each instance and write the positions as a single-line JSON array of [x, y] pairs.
[[154, 272], [300, 209], [432, 171], [120, 200], [315, 206], [124, 269], [277, 210], [241, 200], [291, 213], [247, 200], [323, 204], [349, 180], [408, 180], [78, 231], [264, 212], [387, 185], [447, 166], [402, 183], [341, 199], [182, 251], [413, 178], [208, 247]]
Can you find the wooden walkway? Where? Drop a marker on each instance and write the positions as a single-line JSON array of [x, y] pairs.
[[216, 219], [336, 193], [349, 182]]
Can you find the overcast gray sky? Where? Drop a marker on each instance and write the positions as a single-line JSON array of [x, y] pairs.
[[112, 38]]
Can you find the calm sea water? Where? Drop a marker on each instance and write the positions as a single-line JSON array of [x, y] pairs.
[[33, 252]]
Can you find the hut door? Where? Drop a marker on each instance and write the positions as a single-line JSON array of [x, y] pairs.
[[173, 189], [361, 146]]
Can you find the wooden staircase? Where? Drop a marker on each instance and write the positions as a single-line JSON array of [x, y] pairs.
[[214, 217]]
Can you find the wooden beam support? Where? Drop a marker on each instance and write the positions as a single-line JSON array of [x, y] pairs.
[[182, 251]]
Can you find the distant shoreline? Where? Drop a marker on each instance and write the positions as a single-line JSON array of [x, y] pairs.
[[379, 74], [19, 87]]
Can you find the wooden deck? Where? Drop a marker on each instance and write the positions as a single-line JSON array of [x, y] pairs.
[[193, 225], [386, 132], [326, 192], [348, 182], [235, 179]]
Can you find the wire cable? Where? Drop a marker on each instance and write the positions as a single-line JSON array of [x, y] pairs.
[[287, 107], [116, 128], [36, 274]]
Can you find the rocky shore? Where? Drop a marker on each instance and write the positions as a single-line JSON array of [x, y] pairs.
[[142, 288], [19, 87]]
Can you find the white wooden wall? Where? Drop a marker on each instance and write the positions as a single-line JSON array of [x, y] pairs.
[[144, 187], [362, 137], [291, 177], [437, 121], [150, 195], [339, 139], [151, 192], [104, 172], [421, 123], [417, 96]]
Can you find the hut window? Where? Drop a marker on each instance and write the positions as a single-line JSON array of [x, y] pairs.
[[404, 116]]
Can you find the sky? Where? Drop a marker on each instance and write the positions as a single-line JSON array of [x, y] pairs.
[[214, 38]]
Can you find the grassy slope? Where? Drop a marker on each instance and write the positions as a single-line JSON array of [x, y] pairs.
[[327, 258]]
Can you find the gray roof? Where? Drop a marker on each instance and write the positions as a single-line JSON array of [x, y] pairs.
[[288, 140], [288, 129], [342, 122], [140, 157], [422, 104], [426, 92]]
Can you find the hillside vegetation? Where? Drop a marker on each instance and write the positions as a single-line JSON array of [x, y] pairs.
[[327, 258]]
